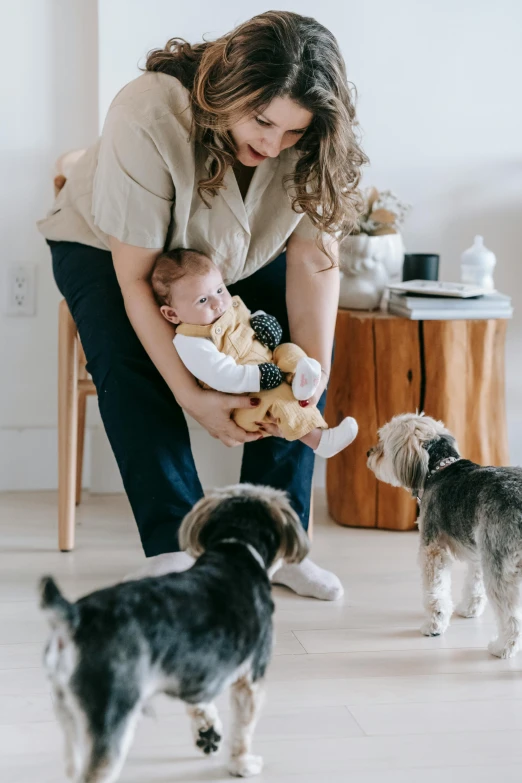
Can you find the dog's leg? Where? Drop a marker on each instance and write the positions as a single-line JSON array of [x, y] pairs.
[[435, 564], [206, 727], [67, 721], [473, 598], [502, 587], [109, 750], [247, 698]]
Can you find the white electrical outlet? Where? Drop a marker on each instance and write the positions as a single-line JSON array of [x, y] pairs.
[[21, 290]]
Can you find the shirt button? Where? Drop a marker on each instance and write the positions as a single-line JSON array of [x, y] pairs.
[[235, 304], [239, 235], [218, 330]]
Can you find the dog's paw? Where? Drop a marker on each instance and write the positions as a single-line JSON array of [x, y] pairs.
[[208, 740], [502, 648], [206, 728], [471, 607], [245, 766], [435, 625]]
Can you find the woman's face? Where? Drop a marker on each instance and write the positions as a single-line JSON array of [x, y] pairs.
[[265, 134]]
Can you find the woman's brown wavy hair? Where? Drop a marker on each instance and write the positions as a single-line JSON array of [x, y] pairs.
[[276, 54]]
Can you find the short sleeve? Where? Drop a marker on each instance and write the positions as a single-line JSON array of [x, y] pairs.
[[305, 229], [133, 190]]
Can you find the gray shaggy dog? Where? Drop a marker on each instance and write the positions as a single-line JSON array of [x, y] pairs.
[[468, 512], [189, 635]]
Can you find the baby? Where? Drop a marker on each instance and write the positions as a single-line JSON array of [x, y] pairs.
[[229, 350]]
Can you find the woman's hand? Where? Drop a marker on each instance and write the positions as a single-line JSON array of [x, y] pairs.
[[213, 411], [314, 399]]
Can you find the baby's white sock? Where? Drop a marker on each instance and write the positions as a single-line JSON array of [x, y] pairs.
[[337, 438], [159, 565], [306, 379], [308, 579]]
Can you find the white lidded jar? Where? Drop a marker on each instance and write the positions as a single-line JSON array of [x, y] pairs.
[[477, 264]]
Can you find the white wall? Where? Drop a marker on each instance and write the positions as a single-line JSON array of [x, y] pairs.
[[48, 98], [438, 107], [441, 122]]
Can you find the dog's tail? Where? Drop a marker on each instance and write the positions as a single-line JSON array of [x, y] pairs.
[[58, 609]]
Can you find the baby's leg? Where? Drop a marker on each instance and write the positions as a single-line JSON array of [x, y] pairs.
[[294, 421], [302, 373], [287, 357], [313, 438], [327, 443], [305, 424]]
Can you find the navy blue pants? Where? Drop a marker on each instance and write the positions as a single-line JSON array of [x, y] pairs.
[[145, 425]]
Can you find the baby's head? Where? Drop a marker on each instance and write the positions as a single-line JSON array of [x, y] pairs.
[[189, 288]]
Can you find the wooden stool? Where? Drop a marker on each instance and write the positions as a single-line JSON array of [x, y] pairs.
[[74, 386], [384, 365]]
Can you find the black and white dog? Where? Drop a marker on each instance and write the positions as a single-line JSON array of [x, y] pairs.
[[467, 511], [187, 634]]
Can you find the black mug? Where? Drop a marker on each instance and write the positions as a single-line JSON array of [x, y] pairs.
[[420, 266]]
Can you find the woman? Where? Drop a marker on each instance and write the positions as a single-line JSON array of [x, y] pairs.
[[244, 149]]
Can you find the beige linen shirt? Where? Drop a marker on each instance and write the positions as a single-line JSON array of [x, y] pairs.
[[139, 184]]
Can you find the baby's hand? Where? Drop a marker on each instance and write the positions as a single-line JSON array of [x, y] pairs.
[[267, 330], [269, 426], [270, 376]]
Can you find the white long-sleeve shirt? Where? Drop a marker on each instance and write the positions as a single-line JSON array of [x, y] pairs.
[[219, 371]]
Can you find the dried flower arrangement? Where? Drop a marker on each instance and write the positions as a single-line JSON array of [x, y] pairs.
[[383, 213]]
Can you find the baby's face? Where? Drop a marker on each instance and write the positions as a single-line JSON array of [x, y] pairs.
[[198, 299]]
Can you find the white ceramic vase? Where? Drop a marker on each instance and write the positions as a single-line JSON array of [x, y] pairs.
[[477, 265], [368, 264]]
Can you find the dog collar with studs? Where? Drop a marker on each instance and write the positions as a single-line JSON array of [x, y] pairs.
[[443, 463]]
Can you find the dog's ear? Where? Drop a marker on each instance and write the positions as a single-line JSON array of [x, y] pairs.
[[60, 612], [410, 463], [294, 545], [192, 525]]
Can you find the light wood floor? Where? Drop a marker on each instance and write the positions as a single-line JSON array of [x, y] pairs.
[[355, 693]]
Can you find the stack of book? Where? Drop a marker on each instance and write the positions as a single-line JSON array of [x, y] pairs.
[[424, 300]]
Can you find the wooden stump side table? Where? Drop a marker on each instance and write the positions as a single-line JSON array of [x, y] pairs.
[[385, 365]]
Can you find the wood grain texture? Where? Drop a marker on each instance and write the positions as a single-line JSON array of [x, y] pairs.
[[466, 390], [398, 372], [67, 426], [74, 386], [351, 487], [386, 365]]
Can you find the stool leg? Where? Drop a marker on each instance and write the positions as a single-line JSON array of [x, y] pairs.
[[67, 427], [82, 404]]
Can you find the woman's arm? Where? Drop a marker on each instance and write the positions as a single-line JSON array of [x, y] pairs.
[[312, 298], [133, 266]]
